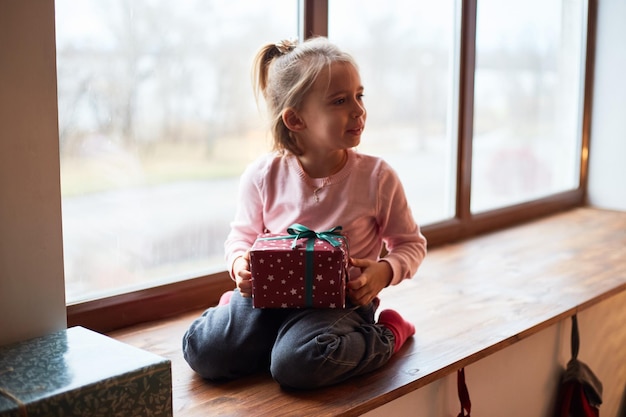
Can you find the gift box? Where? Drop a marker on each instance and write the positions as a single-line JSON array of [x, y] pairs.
[[77, 372], [300, 269]]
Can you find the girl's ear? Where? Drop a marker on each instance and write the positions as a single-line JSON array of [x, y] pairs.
[[292, 120]]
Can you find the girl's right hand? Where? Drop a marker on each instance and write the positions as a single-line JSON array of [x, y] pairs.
[[243, 276]]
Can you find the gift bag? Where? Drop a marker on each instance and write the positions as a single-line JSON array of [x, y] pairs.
[[580, 392]]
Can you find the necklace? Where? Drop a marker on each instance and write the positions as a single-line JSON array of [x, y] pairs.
[[327, 180]]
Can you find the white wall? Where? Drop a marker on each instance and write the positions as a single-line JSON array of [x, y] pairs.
[[607, 159], [522, 379], [32, 295]]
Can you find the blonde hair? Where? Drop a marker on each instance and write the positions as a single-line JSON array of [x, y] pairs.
[[284, 72]]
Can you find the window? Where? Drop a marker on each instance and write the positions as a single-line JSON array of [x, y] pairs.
[[157, 120], [479, 106], [527, 100]]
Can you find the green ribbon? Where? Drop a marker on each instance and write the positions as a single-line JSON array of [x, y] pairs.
[[296, 232], [332, 236], [308, 276]]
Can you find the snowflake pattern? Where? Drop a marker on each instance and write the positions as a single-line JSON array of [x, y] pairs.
[[279, 274]]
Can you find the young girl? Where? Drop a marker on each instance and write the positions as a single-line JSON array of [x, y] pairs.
[[316, 178]]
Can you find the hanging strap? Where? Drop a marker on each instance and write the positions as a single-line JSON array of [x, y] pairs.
[[466, 404], [575, 337]]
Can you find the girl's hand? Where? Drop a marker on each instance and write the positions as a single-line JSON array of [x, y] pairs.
[[374, 277], [243, 276]]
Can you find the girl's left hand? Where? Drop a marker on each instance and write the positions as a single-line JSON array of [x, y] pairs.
[[374, 277]]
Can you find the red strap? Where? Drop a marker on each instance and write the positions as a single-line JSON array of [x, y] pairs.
[[466, 404], [572, 401]]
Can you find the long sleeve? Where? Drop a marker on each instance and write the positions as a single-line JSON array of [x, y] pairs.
[[248, 221], [404, 242]]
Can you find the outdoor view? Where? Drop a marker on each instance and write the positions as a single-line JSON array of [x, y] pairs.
[[528, 100], [157, 118]]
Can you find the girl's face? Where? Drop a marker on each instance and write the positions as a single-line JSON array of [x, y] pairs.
[[332, 114]]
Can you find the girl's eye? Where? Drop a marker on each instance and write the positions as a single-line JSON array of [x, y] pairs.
[[359, 97]]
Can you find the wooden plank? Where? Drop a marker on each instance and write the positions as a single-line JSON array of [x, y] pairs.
[[469, 300]]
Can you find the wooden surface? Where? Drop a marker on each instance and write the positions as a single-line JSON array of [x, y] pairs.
[[468, 300]]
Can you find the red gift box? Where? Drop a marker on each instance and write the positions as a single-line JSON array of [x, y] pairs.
[[299, 269]]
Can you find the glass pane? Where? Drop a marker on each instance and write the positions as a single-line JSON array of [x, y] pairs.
[[528, 99], [407, 56], [157, 120]]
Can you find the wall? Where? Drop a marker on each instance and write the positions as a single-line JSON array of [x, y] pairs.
[[522, 379], [32, 295], [607, 170]]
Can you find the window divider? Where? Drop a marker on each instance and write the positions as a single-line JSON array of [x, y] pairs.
[[466, 110], [315, 18], [590, 52]]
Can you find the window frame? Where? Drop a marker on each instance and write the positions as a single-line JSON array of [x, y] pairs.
[[114, 312]]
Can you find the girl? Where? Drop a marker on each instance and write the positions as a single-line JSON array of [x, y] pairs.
[[315, 177]]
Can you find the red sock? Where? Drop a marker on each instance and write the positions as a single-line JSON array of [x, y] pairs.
[[400, 328], [225, 298]]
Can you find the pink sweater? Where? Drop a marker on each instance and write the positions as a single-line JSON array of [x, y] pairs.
[[366, 198]]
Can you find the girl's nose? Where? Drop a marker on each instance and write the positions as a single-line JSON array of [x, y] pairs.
[[358, 110]]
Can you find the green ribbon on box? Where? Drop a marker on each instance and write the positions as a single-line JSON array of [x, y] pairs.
[[332, 236], [296, 232]]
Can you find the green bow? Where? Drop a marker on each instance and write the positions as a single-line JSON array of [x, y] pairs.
[[332, 236]]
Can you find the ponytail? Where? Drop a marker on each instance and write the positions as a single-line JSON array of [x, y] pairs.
[[262, 62]]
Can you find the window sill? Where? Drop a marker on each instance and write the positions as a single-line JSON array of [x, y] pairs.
[[469, 300]]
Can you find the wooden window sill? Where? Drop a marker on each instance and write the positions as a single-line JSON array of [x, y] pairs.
[[469, 300]]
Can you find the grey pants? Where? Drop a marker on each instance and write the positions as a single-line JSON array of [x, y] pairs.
[[302, 348]]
